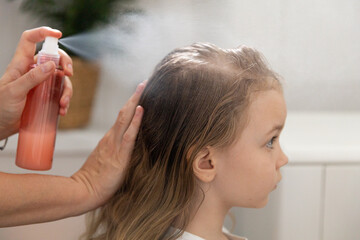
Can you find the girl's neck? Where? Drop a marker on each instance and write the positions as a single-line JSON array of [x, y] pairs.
[[207, 221]]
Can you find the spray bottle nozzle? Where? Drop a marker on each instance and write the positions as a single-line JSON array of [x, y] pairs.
[[49, 51], [50, 46]]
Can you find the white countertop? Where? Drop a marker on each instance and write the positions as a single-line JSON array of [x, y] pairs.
[[308, 138], [322, 137]]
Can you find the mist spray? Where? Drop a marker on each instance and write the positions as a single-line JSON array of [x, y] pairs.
[[38, 125]]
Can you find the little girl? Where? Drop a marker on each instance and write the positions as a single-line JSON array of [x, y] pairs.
[[208, 142]]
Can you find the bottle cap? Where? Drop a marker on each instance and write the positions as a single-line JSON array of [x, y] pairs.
[[50, 46]]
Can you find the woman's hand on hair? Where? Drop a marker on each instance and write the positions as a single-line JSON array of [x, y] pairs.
[[103, 172]]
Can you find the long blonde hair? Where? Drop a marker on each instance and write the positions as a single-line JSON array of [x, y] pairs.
[[194, 99]]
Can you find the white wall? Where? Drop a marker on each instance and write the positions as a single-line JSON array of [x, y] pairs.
[[12, 24], [314, 45]]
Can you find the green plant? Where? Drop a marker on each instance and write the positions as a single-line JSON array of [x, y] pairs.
[[76, 16]]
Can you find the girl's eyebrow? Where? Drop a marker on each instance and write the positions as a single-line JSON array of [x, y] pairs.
[[277, 127]]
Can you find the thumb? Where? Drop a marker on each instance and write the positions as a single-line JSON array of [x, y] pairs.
[[34, 77]]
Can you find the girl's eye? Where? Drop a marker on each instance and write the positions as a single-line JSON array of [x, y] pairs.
[[271, 142]]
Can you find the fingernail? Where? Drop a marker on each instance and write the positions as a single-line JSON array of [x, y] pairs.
[[69, 67], [66, 100], [47, 67], [139, 109], [140, 87]]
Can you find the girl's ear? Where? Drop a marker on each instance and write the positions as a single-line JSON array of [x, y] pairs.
[[204, 166]]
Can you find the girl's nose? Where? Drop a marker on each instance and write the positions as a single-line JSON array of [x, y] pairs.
[[283, 160]]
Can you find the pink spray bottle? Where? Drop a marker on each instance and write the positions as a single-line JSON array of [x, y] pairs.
[[38, 125]]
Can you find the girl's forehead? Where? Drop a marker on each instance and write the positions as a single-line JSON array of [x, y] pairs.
[[267, 109]]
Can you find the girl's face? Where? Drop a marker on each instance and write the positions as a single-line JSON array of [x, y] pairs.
[[249, 169]]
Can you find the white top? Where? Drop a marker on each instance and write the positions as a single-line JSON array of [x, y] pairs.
[[50, 46], [190, 236]]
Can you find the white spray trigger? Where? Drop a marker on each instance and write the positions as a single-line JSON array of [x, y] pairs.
[[50, 46]]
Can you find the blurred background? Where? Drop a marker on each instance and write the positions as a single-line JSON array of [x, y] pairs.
[[312, 44]]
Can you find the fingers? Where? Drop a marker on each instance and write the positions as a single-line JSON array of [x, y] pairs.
[[37, 35], [26, 48], [32, 78], [66, 96], [128, 140], [127, 112], [66, 63]]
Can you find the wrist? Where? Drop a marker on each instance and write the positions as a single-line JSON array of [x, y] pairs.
[[83, 199]]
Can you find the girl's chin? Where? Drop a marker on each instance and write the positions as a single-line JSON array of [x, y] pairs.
[[260, 203]]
